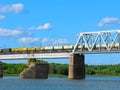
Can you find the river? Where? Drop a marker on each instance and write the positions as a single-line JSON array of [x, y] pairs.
[[90, 83]]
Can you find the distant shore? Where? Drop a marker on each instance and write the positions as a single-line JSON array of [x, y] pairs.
[[50, 75], [65, 76]]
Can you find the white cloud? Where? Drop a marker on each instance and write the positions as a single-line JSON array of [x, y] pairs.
[[109, 22], [45, 40], [54, 41], [7, 32], [2, 17], [60, 41], [32, 28], [28, 40], [14, 8], [42, 27]]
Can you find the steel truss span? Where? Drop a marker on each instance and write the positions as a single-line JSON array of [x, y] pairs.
[[98, 42]]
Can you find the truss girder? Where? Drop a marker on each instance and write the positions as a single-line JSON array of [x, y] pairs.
[[90, 41]]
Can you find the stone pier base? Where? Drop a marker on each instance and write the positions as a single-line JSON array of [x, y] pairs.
[[35, 71], [76, 67]]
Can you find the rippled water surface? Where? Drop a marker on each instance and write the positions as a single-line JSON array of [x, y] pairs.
[[90, 83]]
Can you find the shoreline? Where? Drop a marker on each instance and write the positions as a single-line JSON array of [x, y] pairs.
[[64, 76], [49, 75]]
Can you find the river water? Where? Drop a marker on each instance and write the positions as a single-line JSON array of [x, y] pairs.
[[90, 83]]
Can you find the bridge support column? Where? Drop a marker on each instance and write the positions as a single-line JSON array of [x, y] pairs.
[[76, 67], [1, 71]]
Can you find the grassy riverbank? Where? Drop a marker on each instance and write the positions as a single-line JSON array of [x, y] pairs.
[[11, 74]]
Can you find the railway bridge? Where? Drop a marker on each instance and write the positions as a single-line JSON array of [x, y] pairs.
[[87, 43]]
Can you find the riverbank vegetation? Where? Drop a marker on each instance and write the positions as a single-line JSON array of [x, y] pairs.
[[61, 70], [103, 70]]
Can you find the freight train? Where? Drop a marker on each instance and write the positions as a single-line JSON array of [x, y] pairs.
[[67, 48]]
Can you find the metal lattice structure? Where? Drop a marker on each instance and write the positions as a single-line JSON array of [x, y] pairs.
[[98, 41]]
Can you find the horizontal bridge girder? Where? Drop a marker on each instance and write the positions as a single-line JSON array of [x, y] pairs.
[[36, 55]]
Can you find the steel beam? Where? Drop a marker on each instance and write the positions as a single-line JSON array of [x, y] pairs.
[[36, 56]]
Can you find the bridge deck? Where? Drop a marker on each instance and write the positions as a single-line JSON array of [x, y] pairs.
[[36, 55], [55, 55]]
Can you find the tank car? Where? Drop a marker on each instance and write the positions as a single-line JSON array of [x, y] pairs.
[[39, 49], [58, 47], [48, 48], [116, 45], [23, 50], [68, 47], [15, 50], [6, 50], [30, 50]]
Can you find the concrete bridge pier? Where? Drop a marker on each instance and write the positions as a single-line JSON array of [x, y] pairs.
[[76, 67]]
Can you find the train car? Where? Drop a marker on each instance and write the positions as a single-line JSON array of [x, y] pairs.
[[6, 50], [82, 47], [15, 50], [69, 47], [113, 46], [39, 49], [103, 46], [85, 47], [49, 48], [23, 50], [31, 50], [58, 47], [79, 47], [97, 46], [117, 45]]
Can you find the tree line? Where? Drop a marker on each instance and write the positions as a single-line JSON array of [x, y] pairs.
[[103, 70], [57, 68]]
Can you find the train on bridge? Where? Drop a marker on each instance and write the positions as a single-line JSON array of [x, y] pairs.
[[50, 49]]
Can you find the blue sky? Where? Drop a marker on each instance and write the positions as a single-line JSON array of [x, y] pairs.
[[57, 22]]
